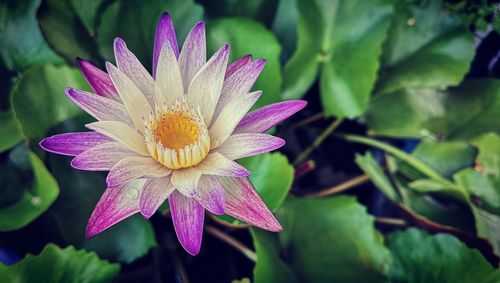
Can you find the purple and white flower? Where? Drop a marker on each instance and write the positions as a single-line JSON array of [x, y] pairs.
[[174, 134]]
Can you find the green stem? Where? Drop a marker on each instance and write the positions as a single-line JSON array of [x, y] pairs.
[[318, 141]]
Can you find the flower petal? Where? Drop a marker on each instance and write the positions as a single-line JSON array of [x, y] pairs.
[[210, 194], [136, 103], [188, 216], [239, 83], [242, 145], [243, 202], [219, 165], [193, 54], [165, 33], [102, 157], [121, 132], [99, 107], [186, 180], [73, 143], [206, 86], [230, 116], [237, 64], [268, 116], [156, 191], [98, 80], [116, 204], [128, 63], [168, 77], [133, 167]]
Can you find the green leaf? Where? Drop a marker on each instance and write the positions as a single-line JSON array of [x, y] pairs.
[[329, 238], [80, 192], [285, 27], [260, 10], [371, 168], [39, 101], [419, 257], [55, 265], [488, 227], [87, 12], [65, 32], [22, 42], [445, 157], [265, 168], [10, 132], [269, 268], [342, 40], [457, 113], [242, 35], [135, 21], [36, 197], [488, 158], [427, 46]]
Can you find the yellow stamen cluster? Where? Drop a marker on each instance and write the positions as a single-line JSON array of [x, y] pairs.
[[177, 136]]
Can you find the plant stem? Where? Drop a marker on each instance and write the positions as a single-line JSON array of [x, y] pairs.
[[232, 242], [317, 142], [307, 120], [391, 221], [342, 187]]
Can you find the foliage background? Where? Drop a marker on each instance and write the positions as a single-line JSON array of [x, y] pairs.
[[411, 89]]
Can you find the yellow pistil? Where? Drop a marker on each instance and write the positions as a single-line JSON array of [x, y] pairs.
[[177, 136]]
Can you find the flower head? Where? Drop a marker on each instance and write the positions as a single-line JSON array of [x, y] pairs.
[[174, 134]]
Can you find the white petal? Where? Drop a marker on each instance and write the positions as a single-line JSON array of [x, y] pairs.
[[242, 145], [122, 133], [217, 164], [134, 167], [186, 180], [156, 191], [230, 116], [193, 54], [136, 103], [168, 77], [206, 86]]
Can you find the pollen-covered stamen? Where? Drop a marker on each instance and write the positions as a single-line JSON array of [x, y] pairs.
[[177, 136]]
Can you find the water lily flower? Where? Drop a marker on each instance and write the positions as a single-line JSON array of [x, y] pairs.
[[174, 134]]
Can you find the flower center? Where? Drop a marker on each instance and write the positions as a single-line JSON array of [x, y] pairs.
[[177, 136]]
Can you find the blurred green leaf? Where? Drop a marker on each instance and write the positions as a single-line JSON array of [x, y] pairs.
[[39, 102], [265, 168], [22, 42], [488, 227], [87, 11], [242, 35], [457, 113], [56, 265], [285, 27], [419, 257], [427, 46], [36, 197], [65, 32], [80, 192], [135, 21], [9, 132], [269, 268], [342, 39], [259, 10], [370, 166], [329, 238]]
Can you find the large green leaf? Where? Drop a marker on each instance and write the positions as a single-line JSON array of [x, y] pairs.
[[343, 41], [427, 46], [332, 240], [87, 11], [269, 268], [80, 191], [56, 265], [36, 196], [419, 257], [260, 10], [243, 35], [39, 102], [457, 113], [9, 132], [135, 21], [22, 43], [65, 32], [285, 27]]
